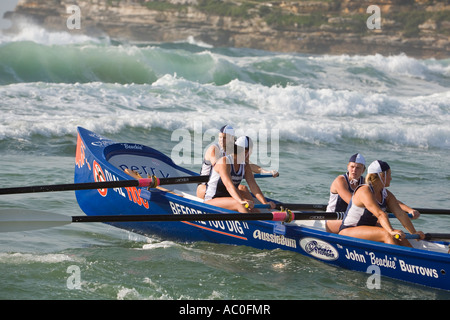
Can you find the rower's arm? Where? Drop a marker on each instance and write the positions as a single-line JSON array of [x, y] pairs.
[[340, 187], [257, 169], [415, 214], [224, 169], [254, 187], [366, 198], [399, 213], [213, 154]]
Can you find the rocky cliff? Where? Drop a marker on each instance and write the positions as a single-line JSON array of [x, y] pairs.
[[419, 28]]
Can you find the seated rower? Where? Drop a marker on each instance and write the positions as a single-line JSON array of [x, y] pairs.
[[368, 207], [219, 150], [343, 187], [214, 153], [222, 189]]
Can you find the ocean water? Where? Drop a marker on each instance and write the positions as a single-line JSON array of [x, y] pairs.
[[307, 113]]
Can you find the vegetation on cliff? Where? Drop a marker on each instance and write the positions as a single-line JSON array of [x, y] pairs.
[[416, 27], [408, 17]]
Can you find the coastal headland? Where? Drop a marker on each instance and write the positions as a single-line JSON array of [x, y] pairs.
[[418, 28]]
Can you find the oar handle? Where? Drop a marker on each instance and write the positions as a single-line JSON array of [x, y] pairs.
[[428, 236], [295, 206], [263, 175]]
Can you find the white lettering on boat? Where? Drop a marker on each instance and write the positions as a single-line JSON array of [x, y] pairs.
[[111, 177], [144, 170], [230, 226], [386, 262], [180, 209], [134, 194], [429, 272], [319, 249], [274, 238], [354, 256], [391, 263], [132, 146]]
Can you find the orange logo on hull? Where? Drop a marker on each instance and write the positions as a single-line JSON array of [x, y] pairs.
[[99, 176], [80, 156]]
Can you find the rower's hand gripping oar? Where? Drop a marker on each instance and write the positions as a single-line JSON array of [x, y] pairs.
[[151, 182], [428, 236]]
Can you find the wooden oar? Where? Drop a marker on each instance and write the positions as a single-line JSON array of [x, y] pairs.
[[323, 207], [20, 220], [151, 182]]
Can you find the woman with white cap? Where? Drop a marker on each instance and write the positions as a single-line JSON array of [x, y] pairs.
[[222, 187], [214, 153], [343, 187], [368, 206]]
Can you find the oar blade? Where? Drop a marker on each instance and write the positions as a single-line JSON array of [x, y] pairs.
[[13, 220]]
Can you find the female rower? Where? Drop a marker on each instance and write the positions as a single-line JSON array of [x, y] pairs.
[[219, 150], [343, 187], [222, 187], [367, 208], [214, 153]]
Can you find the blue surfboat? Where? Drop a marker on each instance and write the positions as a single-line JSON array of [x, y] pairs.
[[101, 159]]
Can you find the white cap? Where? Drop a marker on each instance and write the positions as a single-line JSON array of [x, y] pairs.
[[227, 129], [245, 142], [357, 158], [378, 166]]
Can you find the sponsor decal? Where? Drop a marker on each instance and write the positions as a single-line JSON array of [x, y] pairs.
[[233, 229], [80, 155], [389, 262], [134, 194], [319, 249], [274, 238], [132, 146], [99, 176], [410, 268]]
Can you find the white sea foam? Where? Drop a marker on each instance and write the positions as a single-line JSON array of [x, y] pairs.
[[28, 31], [313, 99], [397, 65], [158, 245], [300, 113], [25, 258], [192, 40]]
